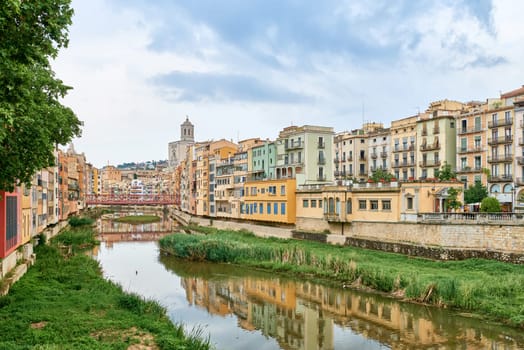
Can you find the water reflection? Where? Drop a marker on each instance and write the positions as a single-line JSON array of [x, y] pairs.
[[303, 315], [112, 231]]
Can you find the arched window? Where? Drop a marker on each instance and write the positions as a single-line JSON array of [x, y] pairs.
[[348, 206], [325, 205], [337, 208], [331, 208], [495, 188], [508, 188]]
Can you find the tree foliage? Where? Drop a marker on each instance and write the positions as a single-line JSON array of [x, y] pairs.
[[445, 173], [453, 201], [475, 193], [32, 119], [381, 174], [490, 205]]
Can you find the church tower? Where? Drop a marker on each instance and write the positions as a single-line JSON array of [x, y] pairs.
[[187, 131]]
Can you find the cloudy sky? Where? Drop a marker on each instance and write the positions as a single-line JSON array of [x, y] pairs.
[[242, 69]]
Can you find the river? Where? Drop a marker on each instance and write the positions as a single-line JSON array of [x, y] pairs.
[[240, 308]]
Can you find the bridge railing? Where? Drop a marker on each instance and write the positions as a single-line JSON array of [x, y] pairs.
[[472, 217], [130, 199]]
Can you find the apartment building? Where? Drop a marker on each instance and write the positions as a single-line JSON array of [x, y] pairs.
[[10, 222], [306, 154], [403, 148], [378, 141], [270, 200], [519, 152], [261, 161], [436, 135], [472, 155], [351, 150]]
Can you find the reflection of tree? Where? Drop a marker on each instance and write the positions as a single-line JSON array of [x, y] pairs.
[[301, 315]]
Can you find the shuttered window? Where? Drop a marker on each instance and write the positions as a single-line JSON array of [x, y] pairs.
[[11, 222]]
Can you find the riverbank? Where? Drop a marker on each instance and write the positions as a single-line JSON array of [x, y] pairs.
[[138, 219], [489, 288], [64, 302]]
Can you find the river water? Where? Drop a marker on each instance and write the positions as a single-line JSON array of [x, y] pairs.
[[240, 308]]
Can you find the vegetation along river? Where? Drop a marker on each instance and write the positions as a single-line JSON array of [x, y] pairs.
[[240, 308]]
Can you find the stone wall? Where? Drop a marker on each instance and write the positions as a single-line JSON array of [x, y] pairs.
[[259, 230]]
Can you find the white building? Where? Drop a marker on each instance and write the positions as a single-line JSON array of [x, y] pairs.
[[177, 149]]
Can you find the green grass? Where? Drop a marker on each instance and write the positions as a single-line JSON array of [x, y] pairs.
[[76, 221], [138, 219], [65, 303], [486, 287]]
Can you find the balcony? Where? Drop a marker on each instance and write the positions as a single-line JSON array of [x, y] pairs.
[[468, 169], [519, 181], [294, 145], [322, 144], [500, 122], [363, 173], [339, 173], [521, 141], [432, 147], [424, 132], [321, 177], [476, 149], [321, 161], [383, 154], [500, 140], [501, 178], [436, 131], [362, 159], [520, 160], [336, 160], [429, 163], [334, 217], [375, 168], [374, 155], [350, 159], [463, 131], [505, 158]]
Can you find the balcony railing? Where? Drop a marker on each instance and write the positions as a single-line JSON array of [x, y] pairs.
[[501, 178], [468, 169], [374, 155], [294, 145], [341, 173], [363, 173], [500, 122], [375, 168], [521, 141], [362, 159], [336, 160], [429, 163], [321, 161], [470, 150], [463, 131], [432, 147], [335, 217], [424, 132], [321, 177], [500, 139], [436, 131], [520, 160], [383, 154], [505, 158], [321, 145]]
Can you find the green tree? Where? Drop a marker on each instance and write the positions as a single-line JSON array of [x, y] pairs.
[[445, 173], [490, 205], [453, 202], [32, 119], [381, 174], [475, 193]]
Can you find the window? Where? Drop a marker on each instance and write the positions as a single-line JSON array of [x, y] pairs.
[[283, 208], [373, 204], [275, 208], [269, 208], [386, 204], [348, 206], [261, 208], [319, 203], [283, 190], [331, 205], [362, 204], [305, 203], [313, 203], [410, 203]]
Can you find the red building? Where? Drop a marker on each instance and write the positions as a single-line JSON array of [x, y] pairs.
[[10, 216]]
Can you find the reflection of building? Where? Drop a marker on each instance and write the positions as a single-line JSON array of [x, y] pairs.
[[302, 315]]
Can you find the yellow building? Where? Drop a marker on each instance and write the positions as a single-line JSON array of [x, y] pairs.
[[26, 215], [403, 148], [270, 201], [333, 208]]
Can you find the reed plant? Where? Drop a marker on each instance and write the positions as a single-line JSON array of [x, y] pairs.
[[491, 288]]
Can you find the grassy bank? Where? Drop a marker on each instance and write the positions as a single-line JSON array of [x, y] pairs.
[[63, 302], [138, 219], [485, 287]]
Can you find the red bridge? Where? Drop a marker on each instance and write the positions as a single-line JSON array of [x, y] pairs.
[[130, 199]]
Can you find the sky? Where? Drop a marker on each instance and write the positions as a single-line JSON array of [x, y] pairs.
[[241, 69]]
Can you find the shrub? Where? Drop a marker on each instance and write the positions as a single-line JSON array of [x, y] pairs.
[[76, 221], [490, 205]]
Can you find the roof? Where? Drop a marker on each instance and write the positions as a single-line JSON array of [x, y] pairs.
[[517, 92]]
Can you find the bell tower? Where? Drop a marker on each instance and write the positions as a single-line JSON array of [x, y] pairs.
[[187, 131]]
